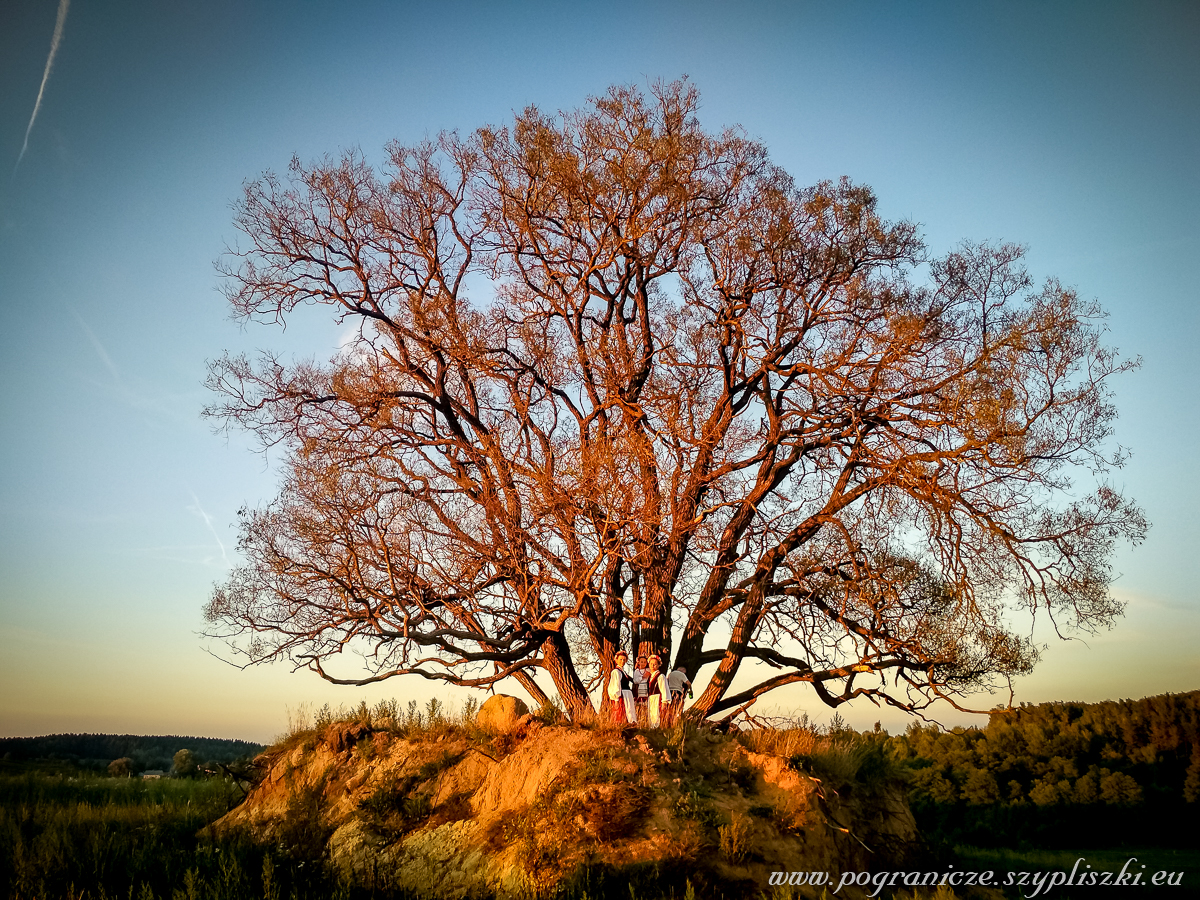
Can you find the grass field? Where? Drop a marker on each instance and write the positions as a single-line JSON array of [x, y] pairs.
[[108, 838]]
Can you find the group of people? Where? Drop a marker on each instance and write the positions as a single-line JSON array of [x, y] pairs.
[[647, 697]]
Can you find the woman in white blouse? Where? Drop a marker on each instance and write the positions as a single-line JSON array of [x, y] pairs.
[[660, 695], [620, 692]]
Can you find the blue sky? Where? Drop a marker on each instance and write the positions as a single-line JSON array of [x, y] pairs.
[[1073, 128]]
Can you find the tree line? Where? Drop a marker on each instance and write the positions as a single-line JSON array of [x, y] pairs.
[[1059, 774], [143, 752]]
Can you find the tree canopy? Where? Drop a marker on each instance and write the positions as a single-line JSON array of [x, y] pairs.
[[1058, 774], [616, 380]]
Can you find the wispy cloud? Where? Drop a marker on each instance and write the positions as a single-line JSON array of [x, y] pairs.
[[99, 348], [188, 554], [175, 407], [197, 509], [54, 42]]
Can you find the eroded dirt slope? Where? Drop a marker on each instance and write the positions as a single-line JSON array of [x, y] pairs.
[[454, 813]]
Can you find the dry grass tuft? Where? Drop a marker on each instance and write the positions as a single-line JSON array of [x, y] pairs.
[[733, 838], [688, 844], [799, 739]]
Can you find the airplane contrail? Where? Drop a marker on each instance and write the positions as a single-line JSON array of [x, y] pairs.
[[198, 509], [58, 30], [99, 348]]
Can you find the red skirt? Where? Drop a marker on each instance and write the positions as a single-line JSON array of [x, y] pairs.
[[616, 712]]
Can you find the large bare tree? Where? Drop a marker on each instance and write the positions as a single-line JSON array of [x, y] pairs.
[[617, 380]]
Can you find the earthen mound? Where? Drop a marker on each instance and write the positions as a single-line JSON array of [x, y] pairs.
[[462, 812]]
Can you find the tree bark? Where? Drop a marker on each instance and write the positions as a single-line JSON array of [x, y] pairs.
[[556, 659]]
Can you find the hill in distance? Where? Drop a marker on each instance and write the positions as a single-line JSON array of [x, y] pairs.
[[96, 751]]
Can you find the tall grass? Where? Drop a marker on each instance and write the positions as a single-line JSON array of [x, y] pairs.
[[838, 756], [785, 736], [60, 837], [93, 838], [385, 716]]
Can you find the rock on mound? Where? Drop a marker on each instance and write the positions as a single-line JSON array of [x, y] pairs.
[[456, 813], [501, 713]]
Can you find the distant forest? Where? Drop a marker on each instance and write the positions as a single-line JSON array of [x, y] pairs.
[[1061, 775], [96, 751]]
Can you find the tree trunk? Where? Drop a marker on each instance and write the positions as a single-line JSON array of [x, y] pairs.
[[556, 658], [654, 636], [531, 687], [743, 631]]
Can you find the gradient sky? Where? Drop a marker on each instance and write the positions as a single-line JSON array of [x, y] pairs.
[[1073, 128]]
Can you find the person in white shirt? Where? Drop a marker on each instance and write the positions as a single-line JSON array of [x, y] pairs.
[[620, 692], [676, 682], [659, 695]]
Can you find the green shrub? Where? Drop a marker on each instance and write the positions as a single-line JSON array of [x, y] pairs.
[[397, 807], [852, 763], [692, 806], [610, 765], [435, 767], [551, 713], [302, 833]]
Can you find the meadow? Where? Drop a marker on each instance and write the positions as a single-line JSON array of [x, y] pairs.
[[86, 836]]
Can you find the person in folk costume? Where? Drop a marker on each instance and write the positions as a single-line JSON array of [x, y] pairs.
[[641, 687], [660, 695], [620, 692]]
